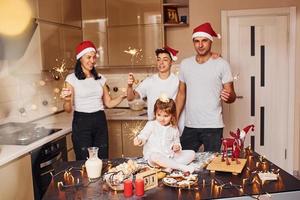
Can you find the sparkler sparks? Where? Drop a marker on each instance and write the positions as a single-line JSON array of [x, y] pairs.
[[134, 128], [135, 53], [59, 71]]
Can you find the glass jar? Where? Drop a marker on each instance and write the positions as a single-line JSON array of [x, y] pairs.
[[93, 164]]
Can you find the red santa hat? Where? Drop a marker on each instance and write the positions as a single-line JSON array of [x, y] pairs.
[[84, 47], [247, 128], [172, 52], [205, 30]]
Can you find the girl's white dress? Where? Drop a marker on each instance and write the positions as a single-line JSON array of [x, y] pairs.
[[158, 139]]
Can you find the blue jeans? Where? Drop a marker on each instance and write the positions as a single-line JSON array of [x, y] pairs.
[[193, 138]]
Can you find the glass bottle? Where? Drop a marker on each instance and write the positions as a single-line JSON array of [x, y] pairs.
[[93, 164]]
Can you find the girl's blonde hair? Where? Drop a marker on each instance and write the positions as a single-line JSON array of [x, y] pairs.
[[168, 106]]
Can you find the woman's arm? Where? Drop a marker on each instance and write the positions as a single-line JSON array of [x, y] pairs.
[[67, 94], [108, 101]]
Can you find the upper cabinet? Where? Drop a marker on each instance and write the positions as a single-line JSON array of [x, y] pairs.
[[175, 13], [126, 32], [133, 12], [60, 11], [59, 23], [94, 27], [58, 43]]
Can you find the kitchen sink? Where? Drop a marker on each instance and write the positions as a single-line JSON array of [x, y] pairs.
[[14, 133]]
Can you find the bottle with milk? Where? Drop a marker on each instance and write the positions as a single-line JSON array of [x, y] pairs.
[[93, 164]]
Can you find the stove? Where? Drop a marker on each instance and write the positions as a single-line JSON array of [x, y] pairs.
[[23, 133]]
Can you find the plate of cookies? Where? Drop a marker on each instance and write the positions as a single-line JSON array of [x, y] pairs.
[[179, 179]]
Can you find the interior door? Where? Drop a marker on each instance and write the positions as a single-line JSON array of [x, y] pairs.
[[258, 54]]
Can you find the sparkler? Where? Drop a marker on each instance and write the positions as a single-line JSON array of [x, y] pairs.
[[134, 129], [135, 53], [60, 69]]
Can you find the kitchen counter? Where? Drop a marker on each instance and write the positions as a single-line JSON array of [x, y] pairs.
[[64, 121]]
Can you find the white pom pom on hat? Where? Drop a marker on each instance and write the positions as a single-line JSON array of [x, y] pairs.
[[205, 30]]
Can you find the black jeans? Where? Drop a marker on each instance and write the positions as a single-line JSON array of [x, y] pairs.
[[193, 138], [89, 130]]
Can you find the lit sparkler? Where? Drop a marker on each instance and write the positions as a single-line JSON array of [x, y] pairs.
[[60, 70], [134, 129], [135, 53]]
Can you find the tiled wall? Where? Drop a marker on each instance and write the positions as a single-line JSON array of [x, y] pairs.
[[27, 93]]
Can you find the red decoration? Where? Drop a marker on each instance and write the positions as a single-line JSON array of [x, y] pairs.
[[236, 144], [139, 187], [127, 188]]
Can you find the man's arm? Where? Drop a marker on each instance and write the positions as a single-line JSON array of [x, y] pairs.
[[227, 94], [131, 94], [180, 98]]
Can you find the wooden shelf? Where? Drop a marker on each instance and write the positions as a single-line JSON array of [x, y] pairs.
[[175, 25], [177, 5]]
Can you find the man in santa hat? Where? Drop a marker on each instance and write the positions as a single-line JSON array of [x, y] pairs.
[[204, 83]]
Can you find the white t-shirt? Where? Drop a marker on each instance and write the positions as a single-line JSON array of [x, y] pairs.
[[152, 87], [158, 139], [87, 93], [204, 83]]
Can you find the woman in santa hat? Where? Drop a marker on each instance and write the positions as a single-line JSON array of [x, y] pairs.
[[86, 92]]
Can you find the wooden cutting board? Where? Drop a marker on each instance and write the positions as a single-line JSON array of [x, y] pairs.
[[217, 165]]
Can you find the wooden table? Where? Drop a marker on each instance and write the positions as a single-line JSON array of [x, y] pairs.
[[226, 185]]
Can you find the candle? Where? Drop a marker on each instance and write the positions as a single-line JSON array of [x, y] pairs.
[[139, 187], [127, 188]]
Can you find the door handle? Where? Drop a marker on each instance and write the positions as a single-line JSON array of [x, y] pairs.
[[49, 162], [239, 97]]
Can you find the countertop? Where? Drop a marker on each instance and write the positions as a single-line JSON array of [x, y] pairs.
[[62, 120]]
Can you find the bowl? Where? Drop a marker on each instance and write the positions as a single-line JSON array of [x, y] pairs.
[[137, 104]]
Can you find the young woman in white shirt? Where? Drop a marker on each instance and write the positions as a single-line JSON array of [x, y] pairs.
[[86, 93]]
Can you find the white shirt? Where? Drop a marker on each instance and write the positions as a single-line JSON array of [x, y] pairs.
[[153, 86], [158, 139], [87, 93], [204, 83]]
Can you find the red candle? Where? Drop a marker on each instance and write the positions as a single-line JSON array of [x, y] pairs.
[[139, 187], [127, 188]]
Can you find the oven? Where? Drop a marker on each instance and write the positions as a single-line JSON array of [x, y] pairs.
[[44, 159]]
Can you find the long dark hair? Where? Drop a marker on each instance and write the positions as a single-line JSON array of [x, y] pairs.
[[79, 72]]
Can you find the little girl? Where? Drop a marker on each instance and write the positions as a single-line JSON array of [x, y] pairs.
[[160, 138]]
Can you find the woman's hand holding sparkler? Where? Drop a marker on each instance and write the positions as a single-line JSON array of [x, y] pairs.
[[66, 93]]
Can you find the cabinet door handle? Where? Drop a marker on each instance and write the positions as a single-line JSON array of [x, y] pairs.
[[239, 97], [49, 162]]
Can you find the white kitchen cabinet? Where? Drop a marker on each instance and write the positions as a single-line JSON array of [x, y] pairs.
[[16, 179]]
